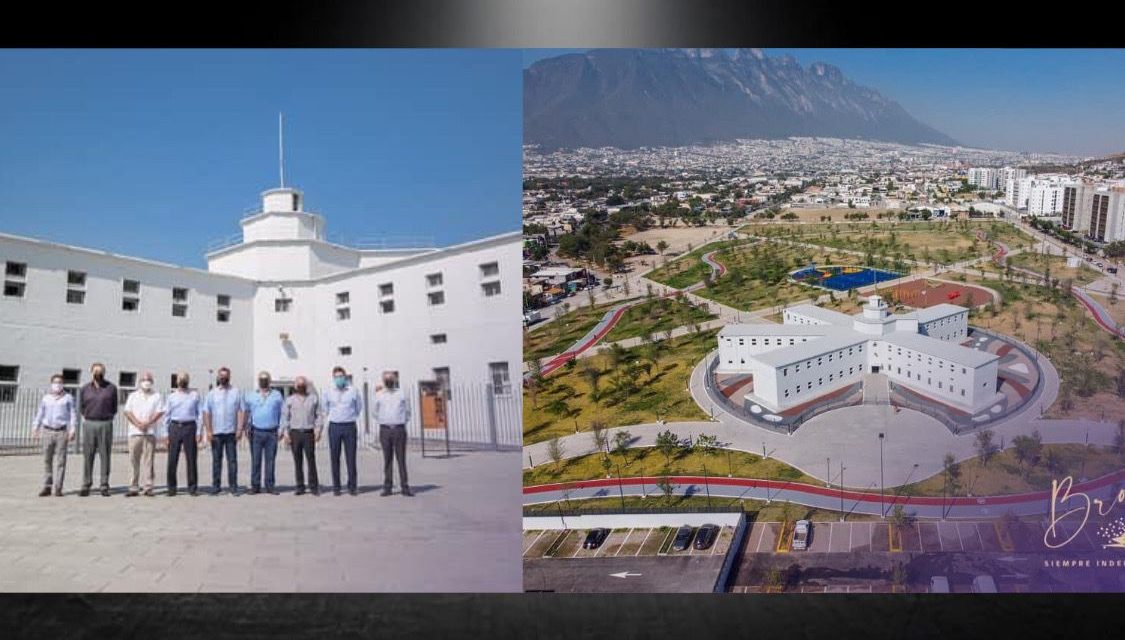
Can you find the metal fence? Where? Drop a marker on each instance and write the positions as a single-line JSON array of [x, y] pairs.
[[480, 416]]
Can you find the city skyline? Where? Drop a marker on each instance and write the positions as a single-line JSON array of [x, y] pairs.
[[986, 98]]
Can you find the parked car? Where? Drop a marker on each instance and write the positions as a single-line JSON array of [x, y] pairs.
[[595, 538], [984, 584], [683, 538], [939, 584], [1099, 265], [801, 533], [1111, 269], [532, 316], [707, 535]]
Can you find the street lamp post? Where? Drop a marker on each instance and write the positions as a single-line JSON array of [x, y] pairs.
[[882, 508], [828, 471], [620, 487], [841, 491]]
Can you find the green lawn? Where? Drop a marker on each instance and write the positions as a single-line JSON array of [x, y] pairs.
[[553, 338], [656, 316], [687, 269], [1056, 266], [626, 393], [648, 461]]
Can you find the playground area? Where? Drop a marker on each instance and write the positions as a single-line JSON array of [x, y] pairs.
[[842, 277], [921, 294]]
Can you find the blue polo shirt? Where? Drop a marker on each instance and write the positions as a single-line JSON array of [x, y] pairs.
[[265, 412]]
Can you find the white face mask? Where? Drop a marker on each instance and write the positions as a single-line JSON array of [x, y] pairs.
[[56, 387], [146, 385]]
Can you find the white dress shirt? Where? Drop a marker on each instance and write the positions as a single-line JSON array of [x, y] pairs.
[[144, 406], [390, 407]]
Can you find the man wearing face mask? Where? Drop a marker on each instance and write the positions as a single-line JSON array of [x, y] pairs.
[[300, 424], [224, 421], [55, 422], [98, 403], [264, 408], [181, 422], [143, 410], [343, 407], [391, 412]]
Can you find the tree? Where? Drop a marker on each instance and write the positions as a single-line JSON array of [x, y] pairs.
[[667, 443], [985, 446], [598, 432], [535, 381], [952, 474], [559, 408], [621, 441], [666, 487], [661, 247], [708, 445], [607, 465], [555, 451], [1026, 449]]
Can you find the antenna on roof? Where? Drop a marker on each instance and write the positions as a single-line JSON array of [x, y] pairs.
[[281, 149]]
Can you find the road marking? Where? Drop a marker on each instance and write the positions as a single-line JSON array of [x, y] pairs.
[[850, 528], [534, 541], [643, 542], [624, 574], [829, 536], [762, 528], [941, 545], [575, 554], [921, 546], [976, 527], [623, 543], [961, 542]]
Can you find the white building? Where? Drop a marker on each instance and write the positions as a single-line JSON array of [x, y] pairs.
[[984, 178], [1095, 210], [816, 351], [1039, 195], [283, 299]]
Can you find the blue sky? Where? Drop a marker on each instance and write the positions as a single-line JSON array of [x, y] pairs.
[[156, 153], [1062, 100]]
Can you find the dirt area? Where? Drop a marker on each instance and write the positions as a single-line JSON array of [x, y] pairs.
[[678, 238]]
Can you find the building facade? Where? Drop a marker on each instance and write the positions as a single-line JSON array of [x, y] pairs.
[[816, 351], [282, 299], [1095, 210]]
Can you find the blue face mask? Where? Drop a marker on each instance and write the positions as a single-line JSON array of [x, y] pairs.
[[340, 381]]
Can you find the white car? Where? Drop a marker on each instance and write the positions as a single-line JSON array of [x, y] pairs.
[[984, 584], [939, 584], [801, 535]]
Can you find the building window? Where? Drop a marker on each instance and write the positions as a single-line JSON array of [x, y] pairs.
[[130, 295], [345, 351], [9, 381], [70, 379], [14, 289], [76, 287], [437, 338], [489, 269], [387, 306], [490, 289], [434, 280], [501, 383], [75, 296], [386, 289], [282, 305], [76, 278], [441, 374], [223, 312], [436, 298], [962, 393], [179, 302], [343, 297], [785, 371], [15, 269], [343, 313], [126, 382]]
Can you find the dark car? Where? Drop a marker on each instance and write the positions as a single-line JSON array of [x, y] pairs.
[[595, 538], [683, 538], [706, 536]]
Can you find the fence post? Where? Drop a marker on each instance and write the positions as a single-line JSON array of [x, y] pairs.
[[490, 399]]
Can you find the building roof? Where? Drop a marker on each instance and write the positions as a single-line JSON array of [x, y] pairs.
[[773, 329], [936, 312], [824, 315], [812, 349], [946, 350]]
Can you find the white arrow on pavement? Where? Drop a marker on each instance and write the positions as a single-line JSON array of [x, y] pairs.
[[624, 574]]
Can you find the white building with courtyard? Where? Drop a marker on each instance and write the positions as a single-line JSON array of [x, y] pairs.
[[816, 351]]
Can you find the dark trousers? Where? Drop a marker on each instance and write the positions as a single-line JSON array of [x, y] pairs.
[[342, 434], [303, 443], [97, 437], [392, 439], [220, 444], [263, 445], [182, 436]]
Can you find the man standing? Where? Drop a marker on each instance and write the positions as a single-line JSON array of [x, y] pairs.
[[264, 409], [224, 421], [391, 412], [55, 422], [301, 425], [343, 407], [143, 409], [181, 423], [98, 402]]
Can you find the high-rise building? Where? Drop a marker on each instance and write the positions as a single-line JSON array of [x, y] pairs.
[[1095, 210]]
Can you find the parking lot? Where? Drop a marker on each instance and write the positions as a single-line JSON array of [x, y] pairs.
[[641, 541], [950, 536]]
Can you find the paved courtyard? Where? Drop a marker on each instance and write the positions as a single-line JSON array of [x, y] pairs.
[[459, 533]]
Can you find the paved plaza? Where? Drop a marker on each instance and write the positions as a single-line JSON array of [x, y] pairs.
[[458, 534]]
